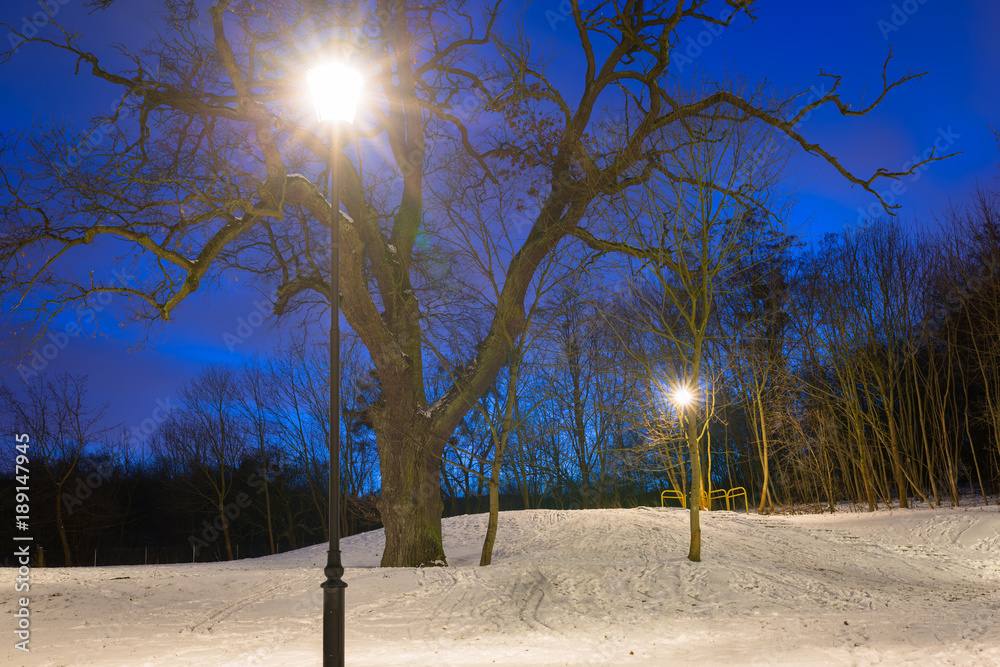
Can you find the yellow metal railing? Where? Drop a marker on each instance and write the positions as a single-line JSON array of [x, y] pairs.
[[736, 493], [673, 494], [729, 496]]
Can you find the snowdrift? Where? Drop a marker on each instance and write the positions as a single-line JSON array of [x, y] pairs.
[[590, 587]]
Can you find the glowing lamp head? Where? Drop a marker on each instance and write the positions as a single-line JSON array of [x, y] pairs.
[[336, 90], [683, 396]]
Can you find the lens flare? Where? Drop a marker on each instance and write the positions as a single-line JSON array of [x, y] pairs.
[[683, 396]]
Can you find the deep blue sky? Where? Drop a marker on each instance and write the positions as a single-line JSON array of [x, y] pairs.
[[954, 40]]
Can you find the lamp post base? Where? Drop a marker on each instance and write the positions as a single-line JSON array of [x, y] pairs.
[[333, 611]]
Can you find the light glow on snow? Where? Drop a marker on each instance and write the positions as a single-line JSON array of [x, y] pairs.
[[584, 587]]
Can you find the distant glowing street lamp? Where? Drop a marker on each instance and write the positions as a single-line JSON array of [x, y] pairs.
[[683, 397], [336, 89]]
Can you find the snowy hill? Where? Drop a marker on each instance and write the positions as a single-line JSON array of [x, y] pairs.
[[593, 587]]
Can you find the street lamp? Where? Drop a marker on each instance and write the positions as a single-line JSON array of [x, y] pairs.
[[336, 89], [683, 396]]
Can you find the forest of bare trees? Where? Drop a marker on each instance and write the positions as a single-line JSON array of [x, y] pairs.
[[861, 372], [530, 263], [474, 164]]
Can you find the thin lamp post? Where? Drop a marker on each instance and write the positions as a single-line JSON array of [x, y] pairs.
[[336, 89]]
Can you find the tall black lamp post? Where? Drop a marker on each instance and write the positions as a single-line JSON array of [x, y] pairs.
[[336, 89]]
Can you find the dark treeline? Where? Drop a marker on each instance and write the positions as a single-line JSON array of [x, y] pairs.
[[235, 465], [865, 369]]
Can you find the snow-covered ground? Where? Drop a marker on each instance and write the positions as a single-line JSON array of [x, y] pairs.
[[591, 587]]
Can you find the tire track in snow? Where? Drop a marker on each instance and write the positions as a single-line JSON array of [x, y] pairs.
[[258, 594]]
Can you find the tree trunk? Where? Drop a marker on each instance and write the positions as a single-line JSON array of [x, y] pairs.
[[765, 494], [694, 553], [270, 527], [501, 437], [410, 504], [225, 531], [902, 490], [290, 532], [321, 510], [579, 424], [267, 506], [62, 530], [922, 420], [491, 526]]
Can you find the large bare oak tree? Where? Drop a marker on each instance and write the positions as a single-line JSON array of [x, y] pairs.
[[212, 165]]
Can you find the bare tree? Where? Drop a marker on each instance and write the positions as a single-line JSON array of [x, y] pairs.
[[205, 440], [300, 411], [62, 426], [687, 235], [211, 164], [757, 339], [252, 400]]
